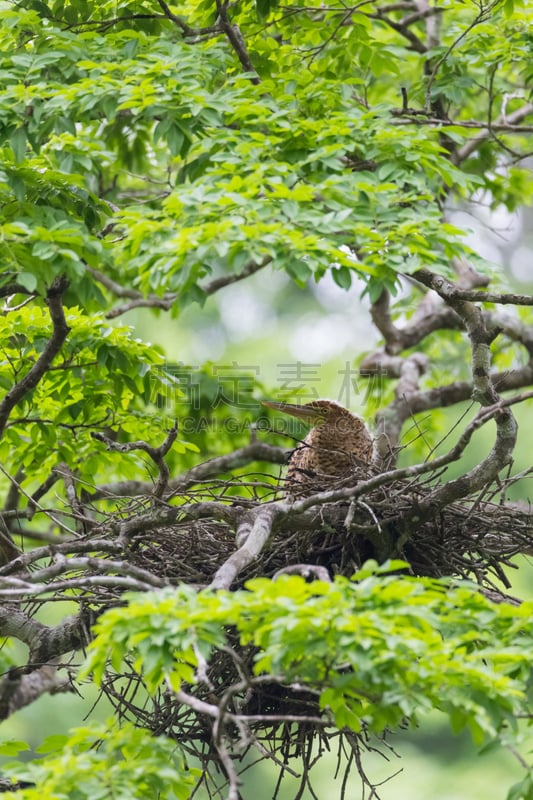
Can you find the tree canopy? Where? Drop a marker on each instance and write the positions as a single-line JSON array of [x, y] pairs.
[[153, 154]]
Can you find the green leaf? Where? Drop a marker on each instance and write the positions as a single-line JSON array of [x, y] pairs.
[[52, 744], [265, 7], [342, 277], [18, 140], [13, 747], [28, 280]]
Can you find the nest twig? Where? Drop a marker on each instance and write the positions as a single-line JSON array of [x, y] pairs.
[[472, 539]]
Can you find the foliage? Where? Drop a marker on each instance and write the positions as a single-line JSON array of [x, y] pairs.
[[104, 761], [379, 649], [56, 413], [209, 172]]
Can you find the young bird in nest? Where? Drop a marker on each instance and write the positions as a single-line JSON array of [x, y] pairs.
[[337, 448]]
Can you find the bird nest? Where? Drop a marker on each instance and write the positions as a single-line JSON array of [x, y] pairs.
[[473, 540]]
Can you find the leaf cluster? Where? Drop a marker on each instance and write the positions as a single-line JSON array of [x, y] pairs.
[[209, 172], [103, 380], [377, 649], [103, 761]]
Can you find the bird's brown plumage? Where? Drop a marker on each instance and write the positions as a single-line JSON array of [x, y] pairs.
[[337, 448]]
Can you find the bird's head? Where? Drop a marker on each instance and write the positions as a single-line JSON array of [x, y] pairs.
[[316, 412]]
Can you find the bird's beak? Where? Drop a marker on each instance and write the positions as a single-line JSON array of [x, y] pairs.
[[301, 412]]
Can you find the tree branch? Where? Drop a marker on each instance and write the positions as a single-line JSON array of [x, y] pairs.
[[69, 547], [188, 31], [507, 125], [51, 350], [402, 28], [235, 38], [478, 296], [427, 319], [14, 288], [255, 451], [226, 280], [483, 392], [19, 690], [138, 300], [262, 519], [46, 642], [157, 454], [436, 312], [113, 286]]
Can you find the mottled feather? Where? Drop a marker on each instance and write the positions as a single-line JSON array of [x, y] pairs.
[[338, 448]]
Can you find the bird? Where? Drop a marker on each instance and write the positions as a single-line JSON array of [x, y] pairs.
[[338, 448]]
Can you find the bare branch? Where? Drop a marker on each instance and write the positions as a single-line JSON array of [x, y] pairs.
[[8, 549], [46, 642], [420, 117], [157, 454], [33, 506], [81, 520], [18, 589], [403, 408], [137, 300], [483, 391], [476, 296], [69, 547], [435, 312], [165, 303], [92, 565], [14, 288], [18, 690], [263, 518], [509, 124], [255, 451], [226, 280], [427, 319], [235, 38], [113, 286], [179, 21], [409, 370]]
